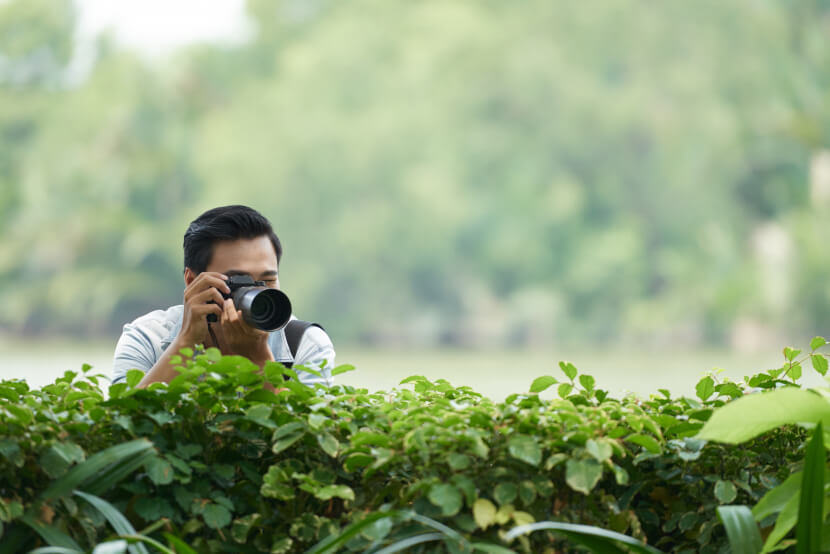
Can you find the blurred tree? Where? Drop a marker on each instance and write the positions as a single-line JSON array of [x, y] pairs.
[[462, 172]]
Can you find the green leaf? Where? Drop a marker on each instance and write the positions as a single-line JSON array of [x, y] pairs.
[[242, 526], [525, 448], [541, 383], [646, 441], [753, 414], [261, 415], [568, 369], [587, 382], [564, 390], [152, 508], [791, 353], [370, 438], [357, 461], [725, 491], [819, 363], [159, 471], [134, 377], [287, 435], [808, 531], [22, 413], [705, 388], [741, 529], [505, 493], [345, 368], [59, 457], [484, 513], [216, 516], [11, 451], [527, 492], [582, 475], [328, 443], [794, 372], [447, 497], [458, 461], [331, 491], [601, 450], [9, 394], [817, 343], [728, 389]]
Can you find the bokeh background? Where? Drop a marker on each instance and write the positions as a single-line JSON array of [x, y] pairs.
[[466, 189]]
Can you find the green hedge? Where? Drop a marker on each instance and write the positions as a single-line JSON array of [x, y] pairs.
[[236, 468]]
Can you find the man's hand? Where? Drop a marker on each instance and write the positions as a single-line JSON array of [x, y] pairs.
[[243, 339], [197, 297]]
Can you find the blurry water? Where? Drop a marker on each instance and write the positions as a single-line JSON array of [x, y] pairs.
[[495, 374], [40, 363]]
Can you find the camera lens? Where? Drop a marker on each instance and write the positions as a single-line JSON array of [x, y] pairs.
[[263, 308]]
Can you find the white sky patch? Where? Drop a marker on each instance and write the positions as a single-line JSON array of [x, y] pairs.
[[155, 27]]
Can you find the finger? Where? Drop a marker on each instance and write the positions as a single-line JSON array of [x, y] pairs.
[[204, 282], [229, 311], [205, 309], [206, 296]]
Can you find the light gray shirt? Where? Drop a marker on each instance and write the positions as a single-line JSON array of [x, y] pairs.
[[144, 341]]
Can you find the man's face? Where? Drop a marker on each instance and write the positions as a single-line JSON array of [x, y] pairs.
[[254, 257]]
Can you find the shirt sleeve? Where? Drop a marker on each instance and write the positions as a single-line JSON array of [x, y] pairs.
[[315, 351], [135, 349]]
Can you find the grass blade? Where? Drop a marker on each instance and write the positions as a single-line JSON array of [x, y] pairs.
[[598, 540], [333, 542], [774, 500], [491, 548], [411, 541], [119, 523], [54, 550], [808, 530], [437, 525], [52, 535], [741, 529], [178, 544], [94, 465], [117, 473]]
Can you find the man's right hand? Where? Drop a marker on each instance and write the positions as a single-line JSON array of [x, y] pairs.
[[201, 297]]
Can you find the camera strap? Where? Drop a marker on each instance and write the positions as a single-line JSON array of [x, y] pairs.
[[294, 331]]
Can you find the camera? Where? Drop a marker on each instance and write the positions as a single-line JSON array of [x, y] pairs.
[[262, 307]]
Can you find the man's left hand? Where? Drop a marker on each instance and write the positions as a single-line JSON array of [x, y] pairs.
[[241, 338]]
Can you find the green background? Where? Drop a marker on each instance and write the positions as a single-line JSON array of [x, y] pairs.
[[443, 174]]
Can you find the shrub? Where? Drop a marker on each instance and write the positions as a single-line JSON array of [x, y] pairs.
[[237, 468]]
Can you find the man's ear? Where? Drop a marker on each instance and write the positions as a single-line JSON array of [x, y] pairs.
[[189, 275]]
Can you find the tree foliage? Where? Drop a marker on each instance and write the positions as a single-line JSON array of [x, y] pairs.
[[457, 172]]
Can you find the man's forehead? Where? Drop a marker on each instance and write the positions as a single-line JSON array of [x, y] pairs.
[[247, 256]]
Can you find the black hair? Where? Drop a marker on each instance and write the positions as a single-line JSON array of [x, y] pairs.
[[224, 223]]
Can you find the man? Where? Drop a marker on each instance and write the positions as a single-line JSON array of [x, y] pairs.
[[222, 242]]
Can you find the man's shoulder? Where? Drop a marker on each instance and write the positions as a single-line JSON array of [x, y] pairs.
[[317, 335], [158, 323]]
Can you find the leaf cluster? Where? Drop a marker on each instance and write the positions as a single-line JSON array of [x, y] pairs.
[[237, 467]]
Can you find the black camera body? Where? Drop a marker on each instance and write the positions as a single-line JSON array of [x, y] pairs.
[[262, 307]]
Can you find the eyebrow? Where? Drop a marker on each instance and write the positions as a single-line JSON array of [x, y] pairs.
[[269, 273]]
